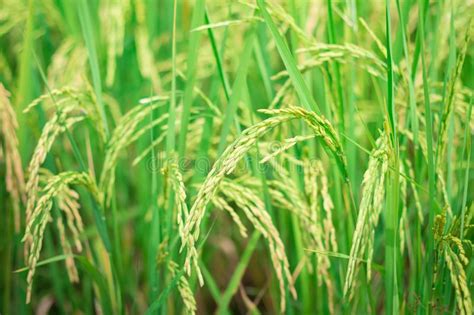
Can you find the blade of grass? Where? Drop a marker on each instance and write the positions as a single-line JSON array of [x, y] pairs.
[[171, 132], [423, 9], [170, 155], [433, 211], [210, 283], [289, 61], [160, 301], [237, 90], [193, 50], [86, 25], [217, 55], [411, 89], [466, 148], [264, 71], [99, 280], [47, 261], [449, 67], [411, 116], [392, 218], [336, 69]]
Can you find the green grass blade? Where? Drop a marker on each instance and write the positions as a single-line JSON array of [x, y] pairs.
[[466, 148], [392, 217], [238, 273], [237, 90], [289, 61], [193, 50], [170, 135], [217, 55], [87, 31], [159, 302], [429, 260]]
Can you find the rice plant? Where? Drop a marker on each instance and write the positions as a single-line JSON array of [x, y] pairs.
[[236, 157]]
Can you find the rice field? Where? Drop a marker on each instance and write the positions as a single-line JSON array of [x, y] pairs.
[[236, 157]]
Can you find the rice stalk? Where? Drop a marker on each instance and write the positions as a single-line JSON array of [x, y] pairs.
[[403, 224], [322, 128], [279, 13], [306, 207], [313, 210], [68, 201]]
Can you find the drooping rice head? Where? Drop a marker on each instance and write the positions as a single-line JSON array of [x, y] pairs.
[[254, 209], [454, 247], [62, 120], [56, 188], [373, 192], [236, 151], [10, 155]]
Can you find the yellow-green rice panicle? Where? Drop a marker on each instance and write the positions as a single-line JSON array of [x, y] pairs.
[[452, 246], [51, 130], [77, 101], [373, 192], [235, 152], [10, 155], [41, 215], [175, 181]]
